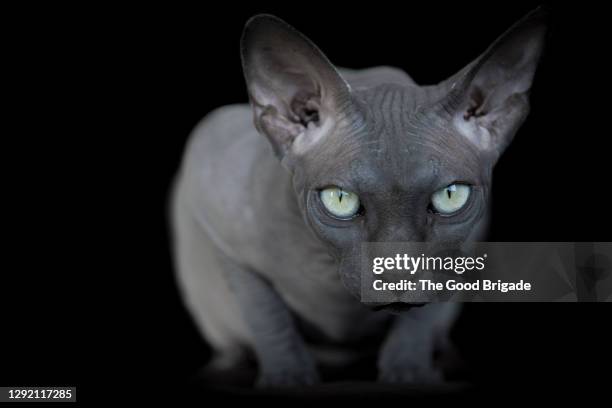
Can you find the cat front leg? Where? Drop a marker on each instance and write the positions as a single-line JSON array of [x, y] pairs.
[[407, 353], [283, 357]]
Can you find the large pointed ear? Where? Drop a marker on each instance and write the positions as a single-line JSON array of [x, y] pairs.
[[490, 98], [294, 90]]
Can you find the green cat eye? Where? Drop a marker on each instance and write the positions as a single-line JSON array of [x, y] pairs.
[[450, 199], [340, 203]]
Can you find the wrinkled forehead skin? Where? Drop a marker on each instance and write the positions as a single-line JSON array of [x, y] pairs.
[[392, 140]]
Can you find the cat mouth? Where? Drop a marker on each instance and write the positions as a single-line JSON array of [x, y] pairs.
[[396, 307]]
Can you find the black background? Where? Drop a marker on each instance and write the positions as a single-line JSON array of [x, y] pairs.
[[110, 97]]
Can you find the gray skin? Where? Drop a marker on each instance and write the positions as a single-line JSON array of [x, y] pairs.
[[264, 269]]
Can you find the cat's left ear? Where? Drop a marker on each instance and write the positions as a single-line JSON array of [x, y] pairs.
[[489, 100]]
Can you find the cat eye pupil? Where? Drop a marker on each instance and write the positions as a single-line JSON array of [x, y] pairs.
[[450, 199], [340, 203]]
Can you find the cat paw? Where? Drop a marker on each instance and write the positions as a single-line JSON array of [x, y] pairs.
[[410, 373], [409, 362], [287, 378]]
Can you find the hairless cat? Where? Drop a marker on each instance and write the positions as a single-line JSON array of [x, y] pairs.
[[274, 199]]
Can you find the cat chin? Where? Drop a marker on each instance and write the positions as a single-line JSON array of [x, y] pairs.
[[396, 307]]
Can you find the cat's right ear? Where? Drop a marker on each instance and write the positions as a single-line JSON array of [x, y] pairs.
[[295, 92]]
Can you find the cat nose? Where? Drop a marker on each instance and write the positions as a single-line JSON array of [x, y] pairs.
[[399, 233]]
